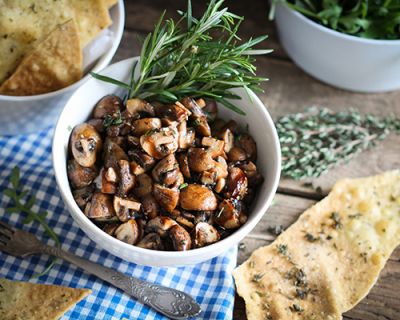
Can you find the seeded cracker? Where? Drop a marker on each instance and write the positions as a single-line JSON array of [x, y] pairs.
[[29, 301], [326, 262]]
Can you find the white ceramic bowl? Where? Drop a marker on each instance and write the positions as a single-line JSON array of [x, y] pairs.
[[342, 60], [26, 114], [261, 127]]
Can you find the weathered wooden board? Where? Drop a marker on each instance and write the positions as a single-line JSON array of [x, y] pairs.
[[291, 90]]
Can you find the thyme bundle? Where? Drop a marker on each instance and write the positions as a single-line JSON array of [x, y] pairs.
[[189, 58], [319, 139]]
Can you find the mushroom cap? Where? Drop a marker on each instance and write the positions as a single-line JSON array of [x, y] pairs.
[[85, 143], [128, 232], [197, 198]]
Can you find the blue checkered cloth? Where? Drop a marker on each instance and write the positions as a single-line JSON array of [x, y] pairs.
[[210, 283]]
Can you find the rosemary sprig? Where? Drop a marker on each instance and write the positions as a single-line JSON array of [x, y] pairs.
[[187, 58], [319, 139], [25, 207]]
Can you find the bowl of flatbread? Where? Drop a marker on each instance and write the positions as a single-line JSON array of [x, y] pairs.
[[47, 50]]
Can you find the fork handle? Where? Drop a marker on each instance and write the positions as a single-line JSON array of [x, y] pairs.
[[170, 302]]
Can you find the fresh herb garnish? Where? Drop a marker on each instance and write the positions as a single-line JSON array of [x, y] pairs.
[[319, 139], [378, 19], [186, 58], [113, 120], [183, 186], [337, 223], [282, 249], [25, 207]]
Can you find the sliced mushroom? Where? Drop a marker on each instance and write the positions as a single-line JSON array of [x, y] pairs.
[[126, 178], [167, 197], [111, 175], [150, 206], [198, 116], [83, 196], [180, 238], [108, 105], [85, 143], [142, 159], [125, 208], [174, 112], [184, 221], [208, 177], [237, 154], [167, 172], [144, 185], [133, 142], [183, 164], [160, 225], [247, 143], [112, 154], [136, 168], [128, 232], [236, 184], [136, 107], [227, 215], [80, 176], [228, 138], [105, 185], [211, 110], [196, 197], [219, 186], [204, 234], [101, 207], [151, 241], [200, 160], [110, 228], [141, 126], [161, 142], [186, 136], [215, 146], [253, 176]]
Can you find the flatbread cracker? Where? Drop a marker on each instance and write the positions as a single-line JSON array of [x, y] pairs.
[[48, 67], [326, 262], [29, 301], [110, 3], [24, 24]]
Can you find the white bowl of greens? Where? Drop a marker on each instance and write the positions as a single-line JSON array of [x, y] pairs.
[[365, 59]]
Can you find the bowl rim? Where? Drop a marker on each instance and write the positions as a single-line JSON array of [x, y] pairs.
[[102, 62], [84, 222], [339, 34]]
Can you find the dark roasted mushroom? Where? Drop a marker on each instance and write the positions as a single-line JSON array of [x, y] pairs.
[[83, 196], [141, 126], [144, 185], [105, 185], [211, 110], [198, 116], [125, 208], [160, 225], [186, 136], [196, 197], [180, 238], [151, 241], [107, 106], [204, 234], [79, 176], [167, 197], [183, 164], [253, 176], [228, 138], [215, 146], [237, 154], [128, 232], [112, 154], [160, 142], [150, 206], [126, 179], [167, 172], [236, 184], [173, 112], [227, 215], [137, 107], [110, 228], [85, 143], [101, 207], [200, 160], [247, 143]]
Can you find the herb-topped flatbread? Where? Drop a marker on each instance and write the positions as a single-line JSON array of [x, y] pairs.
[[29, 301], [326, 262]]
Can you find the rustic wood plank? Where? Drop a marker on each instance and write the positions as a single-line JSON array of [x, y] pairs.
[[143, 14]]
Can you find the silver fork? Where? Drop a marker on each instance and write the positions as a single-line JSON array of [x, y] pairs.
[[170, 302]]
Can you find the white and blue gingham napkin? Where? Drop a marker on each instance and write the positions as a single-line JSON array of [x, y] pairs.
[[210, 283]]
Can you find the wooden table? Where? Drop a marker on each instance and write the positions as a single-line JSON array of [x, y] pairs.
[[291, 90]]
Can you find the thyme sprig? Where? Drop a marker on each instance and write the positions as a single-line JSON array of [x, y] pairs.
[[25, 207], [197, 57], [319, 139]]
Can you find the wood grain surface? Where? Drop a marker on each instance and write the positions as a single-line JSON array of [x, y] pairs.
[[291, 90]]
